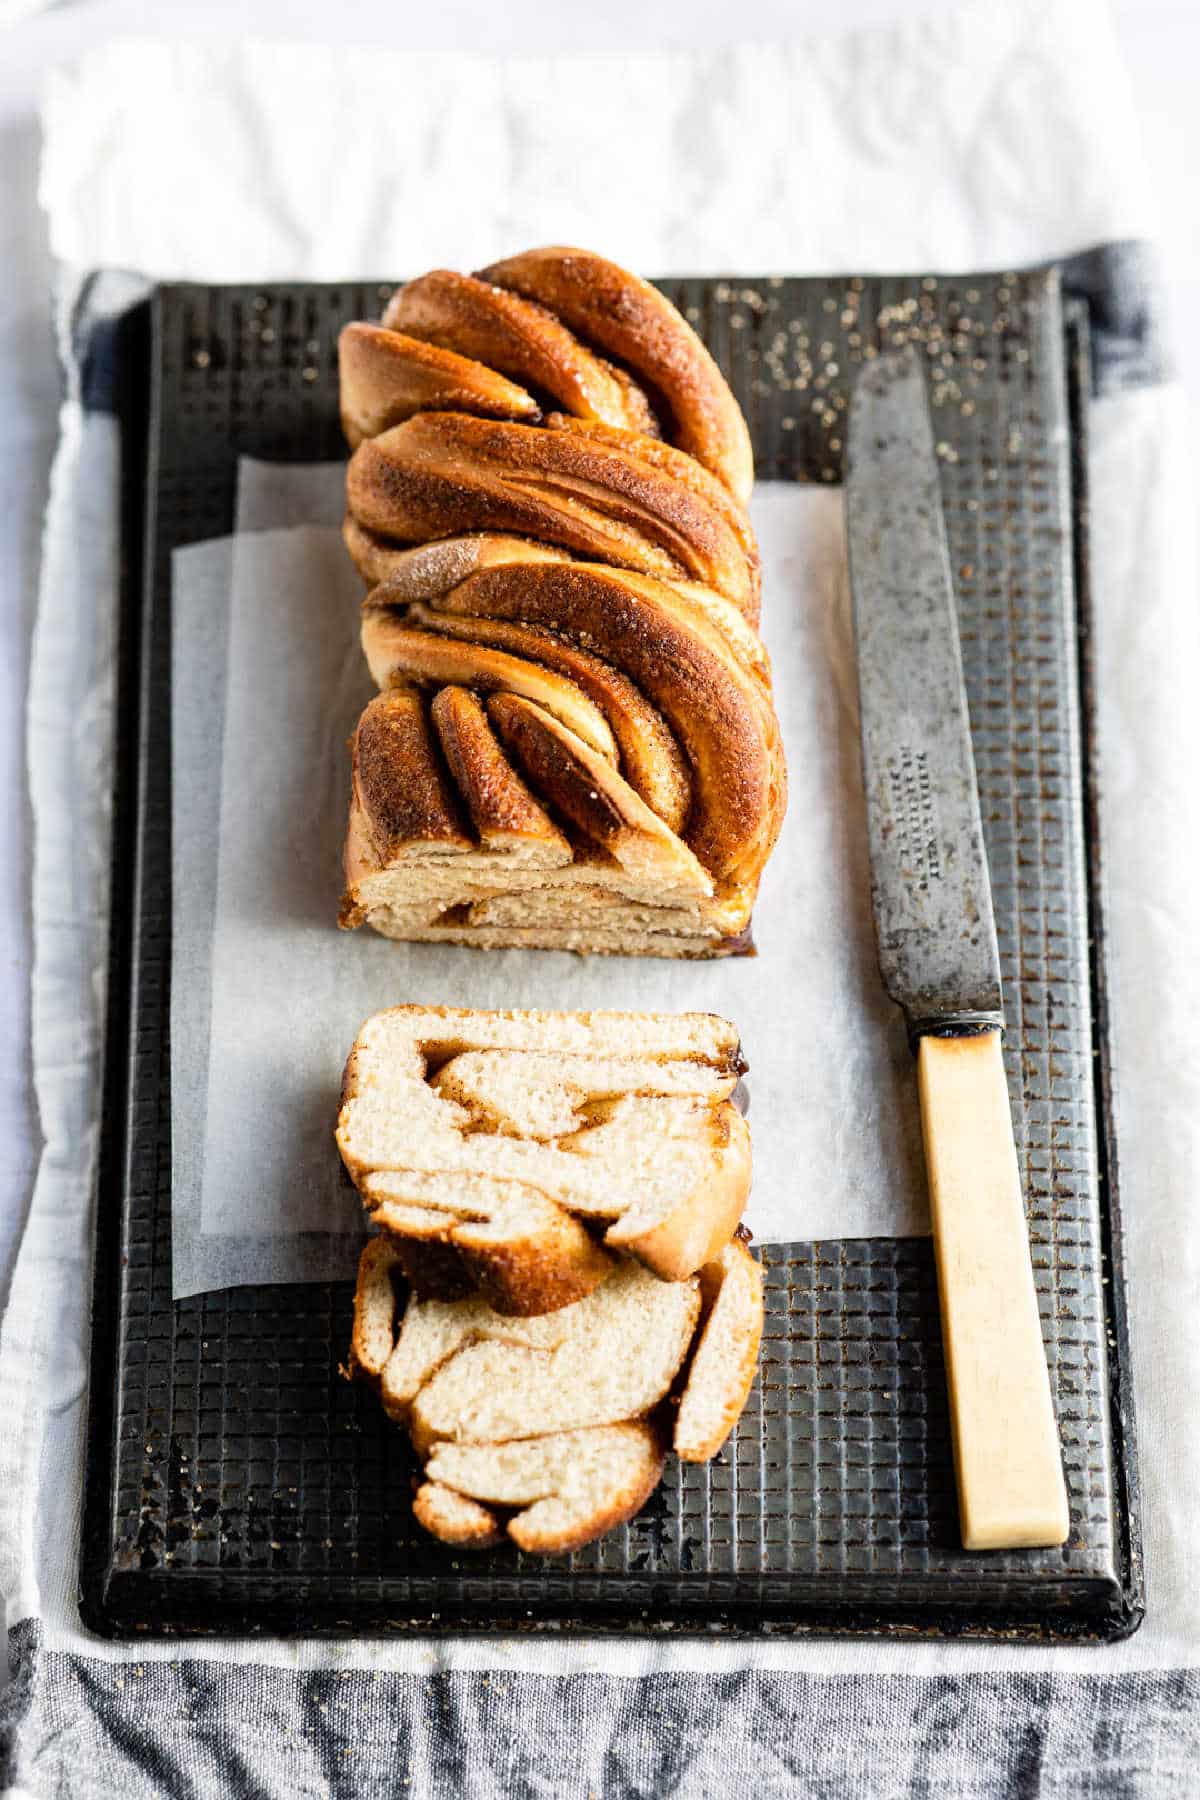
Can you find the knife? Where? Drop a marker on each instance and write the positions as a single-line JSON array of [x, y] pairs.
[[940, 962]]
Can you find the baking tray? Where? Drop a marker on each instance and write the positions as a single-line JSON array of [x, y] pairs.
[[236, 1483]]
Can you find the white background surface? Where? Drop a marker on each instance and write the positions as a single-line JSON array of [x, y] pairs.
[[1160, 39]]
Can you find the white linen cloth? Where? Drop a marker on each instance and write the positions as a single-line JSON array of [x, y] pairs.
[[1004, 138]]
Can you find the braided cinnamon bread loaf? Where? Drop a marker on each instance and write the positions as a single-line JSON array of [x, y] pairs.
[[574, 746]]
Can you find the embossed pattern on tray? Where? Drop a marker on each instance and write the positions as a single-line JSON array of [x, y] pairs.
[[250, 1485]]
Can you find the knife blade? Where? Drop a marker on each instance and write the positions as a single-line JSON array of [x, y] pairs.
[[938, 956], [932, 898]]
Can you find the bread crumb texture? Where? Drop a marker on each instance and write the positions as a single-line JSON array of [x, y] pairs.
[[516, 1152]]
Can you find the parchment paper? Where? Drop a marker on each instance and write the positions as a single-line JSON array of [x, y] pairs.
[[832, 1100]]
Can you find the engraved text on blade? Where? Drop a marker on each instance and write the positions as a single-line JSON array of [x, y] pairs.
[[909, 792]]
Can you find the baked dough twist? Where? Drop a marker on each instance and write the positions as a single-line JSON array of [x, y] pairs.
[[574, 745]]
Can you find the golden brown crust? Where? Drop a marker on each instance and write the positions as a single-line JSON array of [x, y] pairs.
[[519, 339], [540, 1268], [420, 571], [400, 785], [503, 811], [650, 757], [359, 860], [455, 1519], [682, 468], [669, 648], [398, 656], [538, 1271], [373, 1334], [667, 659], [609, 307], [385, 378], [373, 556], [724, 1357], [441, 474], [414, 572], [592, 794]]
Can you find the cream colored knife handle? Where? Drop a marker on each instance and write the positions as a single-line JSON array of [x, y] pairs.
[[1007, 1456]]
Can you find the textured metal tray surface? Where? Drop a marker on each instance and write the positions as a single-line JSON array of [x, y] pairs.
[[237, 1482]]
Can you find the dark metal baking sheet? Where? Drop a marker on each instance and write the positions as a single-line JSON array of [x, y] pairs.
[[235, 1481]]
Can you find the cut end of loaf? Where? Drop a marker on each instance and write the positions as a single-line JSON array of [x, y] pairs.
[[496, 825]]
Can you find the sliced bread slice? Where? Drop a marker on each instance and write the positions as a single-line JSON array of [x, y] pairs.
[[496, 1135], [569, 1487], [724, 1356], [562, 1414]]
